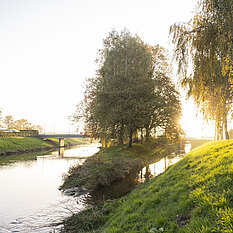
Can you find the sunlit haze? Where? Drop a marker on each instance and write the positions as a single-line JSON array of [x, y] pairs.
[[49, 47]]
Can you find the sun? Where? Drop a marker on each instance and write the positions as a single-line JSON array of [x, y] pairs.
[[193, 122]]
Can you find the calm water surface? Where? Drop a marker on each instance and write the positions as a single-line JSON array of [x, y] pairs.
[[31, 202], [29, 196]]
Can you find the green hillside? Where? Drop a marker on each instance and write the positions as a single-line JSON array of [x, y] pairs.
[[195, 195]]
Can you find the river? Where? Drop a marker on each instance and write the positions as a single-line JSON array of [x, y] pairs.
[[30, 200]]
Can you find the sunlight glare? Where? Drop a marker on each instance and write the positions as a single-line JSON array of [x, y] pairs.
[[193, 124]]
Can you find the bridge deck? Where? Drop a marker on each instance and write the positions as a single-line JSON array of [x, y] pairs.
[[61, 135]]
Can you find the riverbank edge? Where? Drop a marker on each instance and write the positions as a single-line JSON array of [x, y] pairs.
[[43, 145], [115, 163], [193, 195]]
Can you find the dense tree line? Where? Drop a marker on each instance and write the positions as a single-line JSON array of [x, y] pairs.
[[204, 46], [8, 122], [132, 92]]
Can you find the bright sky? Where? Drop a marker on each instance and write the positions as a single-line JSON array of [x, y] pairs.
[[49, 47]]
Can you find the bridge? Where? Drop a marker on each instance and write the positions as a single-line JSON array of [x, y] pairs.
[[61, 138]]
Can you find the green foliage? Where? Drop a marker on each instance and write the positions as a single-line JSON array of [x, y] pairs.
[[125, 87], [132, 91], [205, 46]]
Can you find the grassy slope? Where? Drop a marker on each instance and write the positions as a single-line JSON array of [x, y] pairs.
[[21, 143], [112, 164], [195, 195]]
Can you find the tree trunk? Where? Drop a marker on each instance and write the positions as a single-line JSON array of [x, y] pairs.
[[147, 134], [226, 113], [221, 131], [120, 138], [120, 141], [141, 136], [130, 139], [225, 128]]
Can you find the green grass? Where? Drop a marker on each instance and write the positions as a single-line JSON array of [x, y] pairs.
[[21, 143], [194, 195]]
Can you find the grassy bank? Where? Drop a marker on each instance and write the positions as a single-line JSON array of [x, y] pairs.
[[28, 148], [115, 163], [195, 195], [16, 145], [22, 144]]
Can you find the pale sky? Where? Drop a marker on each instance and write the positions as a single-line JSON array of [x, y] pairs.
[[49, 47]]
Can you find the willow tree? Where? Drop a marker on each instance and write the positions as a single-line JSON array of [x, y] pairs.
[[204, 45]]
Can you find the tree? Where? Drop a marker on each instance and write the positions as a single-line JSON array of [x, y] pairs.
[[125, 88], [205, 45], [165, 104], [22, 124], [127, 95], [9, 122], [37, 127]]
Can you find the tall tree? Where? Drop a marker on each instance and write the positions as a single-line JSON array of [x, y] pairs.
[[131, 91], [125, 87], [205, 45]]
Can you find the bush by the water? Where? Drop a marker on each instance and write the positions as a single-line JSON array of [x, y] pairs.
[[112, 164]]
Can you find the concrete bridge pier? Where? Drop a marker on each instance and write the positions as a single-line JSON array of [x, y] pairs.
[[61, 146], [61, 142]]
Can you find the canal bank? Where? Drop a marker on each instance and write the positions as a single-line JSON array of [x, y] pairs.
[[115, 163], [194, 195], [21, 145], [111, 174]]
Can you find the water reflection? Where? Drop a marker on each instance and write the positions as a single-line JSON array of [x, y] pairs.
[[61, 151], [121, 188], [159, 167], [29, 196]]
